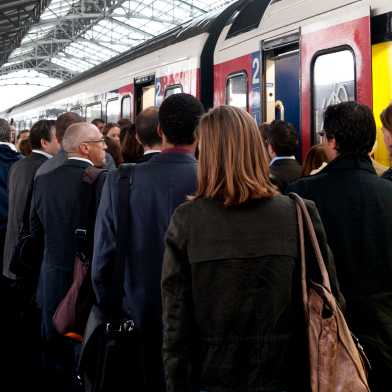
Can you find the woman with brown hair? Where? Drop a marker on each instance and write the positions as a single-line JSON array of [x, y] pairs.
[[316, 159], [232, 312], [386, 120], [112, 130], [131, 149]]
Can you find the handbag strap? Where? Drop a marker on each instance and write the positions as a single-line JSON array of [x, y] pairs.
[[89, 177], [25, 224], [126, 172], [304, 220]]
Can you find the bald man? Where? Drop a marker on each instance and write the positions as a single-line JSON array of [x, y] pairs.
[[59, 197]]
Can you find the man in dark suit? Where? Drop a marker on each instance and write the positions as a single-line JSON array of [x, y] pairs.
[[159, 186], [62, 123], [355, 206], [146, 127], [21, 177], [281, 139], [56, 209]]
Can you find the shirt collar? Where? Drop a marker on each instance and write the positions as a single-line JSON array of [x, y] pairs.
[[43, 153], [82, 159], [151, 152], [281, 158], [10, 145]]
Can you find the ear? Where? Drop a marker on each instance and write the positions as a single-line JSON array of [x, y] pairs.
[[271, 151], [83, 148], [159, 130], [332, 143]]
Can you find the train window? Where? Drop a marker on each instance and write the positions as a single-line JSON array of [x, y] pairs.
[[126, 107], [93, 111], [174, 89], [112, 110], [78, 110], [333, 82], [237, 90]]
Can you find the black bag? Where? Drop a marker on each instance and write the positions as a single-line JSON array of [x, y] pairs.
[[72, 312], [112, 349]]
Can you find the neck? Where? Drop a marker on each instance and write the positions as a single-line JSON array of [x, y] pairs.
[[76, 155], [155, 147]]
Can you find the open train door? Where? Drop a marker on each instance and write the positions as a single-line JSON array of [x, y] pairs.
[[281, 65], [335, 64]]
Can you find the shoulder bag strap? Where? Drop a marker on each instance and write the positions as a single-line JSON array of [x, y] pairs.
[[304, 220], [126, 172], [81, 231]]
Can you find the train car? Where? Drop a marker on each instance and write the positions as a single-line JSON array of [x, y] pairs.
[[141, 77], [291, 59], [285, 59]]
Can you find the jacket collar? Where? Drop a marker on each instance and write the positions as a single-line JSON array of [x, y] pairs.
[[350, 162], [77, 163], [174, 156]]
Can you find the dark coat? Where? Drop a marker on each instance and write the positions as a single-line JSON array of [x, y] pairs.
[[20, 185], [55, 213], [58, 160], [387, 175], [7, 158], [159, 186], [356, 208], [231, 296], [284, 171]]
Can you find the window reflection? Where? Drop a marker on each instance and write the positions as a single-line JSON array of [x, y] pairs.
[[333, 82]]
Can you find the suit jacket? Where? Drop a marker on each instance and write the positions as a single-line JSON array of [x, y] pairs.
[[58, 160], [355, 206], [284, 171], [159, 186], [21, 179], [55, 214]]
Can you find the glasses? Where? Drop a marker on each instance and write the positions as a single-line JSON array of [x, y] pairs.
[[96, 141]]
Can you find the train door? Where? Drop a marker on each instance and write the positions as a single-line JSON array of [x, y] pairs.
[[144, 93], [336, 65], [282, 88]]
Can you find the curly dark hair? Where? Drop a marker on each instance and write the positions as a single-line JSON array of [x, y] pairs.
[[353, 127], [179, 116]]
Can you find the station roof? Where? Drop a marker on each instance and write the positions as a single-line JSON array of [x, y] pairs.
[[62, 38]]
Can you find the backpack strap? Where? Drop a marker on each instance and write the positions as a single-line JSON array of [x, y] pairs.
[[126, 172]]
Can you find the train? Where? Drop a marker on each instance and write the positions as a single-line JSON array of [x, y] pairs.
[[277, 59]]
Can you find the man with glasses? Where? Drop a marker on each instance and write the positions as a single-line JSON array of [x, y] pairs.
[[56, 210]]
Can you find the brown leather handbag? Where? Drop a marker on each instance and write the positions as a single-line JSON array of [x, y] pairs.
[[337, 363]]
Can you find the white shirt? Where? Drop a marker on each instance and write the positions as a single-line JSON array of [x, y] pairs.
[[151, 152], [281, 158], [10, 145], [83, 160], [43, 153]]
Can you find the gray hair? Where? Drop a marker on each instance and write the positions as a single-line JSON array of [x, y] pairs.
[[78, 133], [5, 130]]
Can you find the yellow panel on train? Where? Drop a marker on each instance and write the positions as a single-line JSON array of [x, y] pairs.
[[382, 92]]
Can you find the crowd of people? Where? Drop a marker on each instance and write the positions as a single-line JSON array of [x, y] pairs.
[[211, 270]]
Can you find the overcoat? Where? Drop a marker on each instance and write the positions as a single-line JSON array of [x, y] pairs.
[[232, 311]]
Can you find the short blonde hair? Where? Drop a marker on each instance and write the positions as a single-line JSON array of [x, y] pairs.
[[233, 164]]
